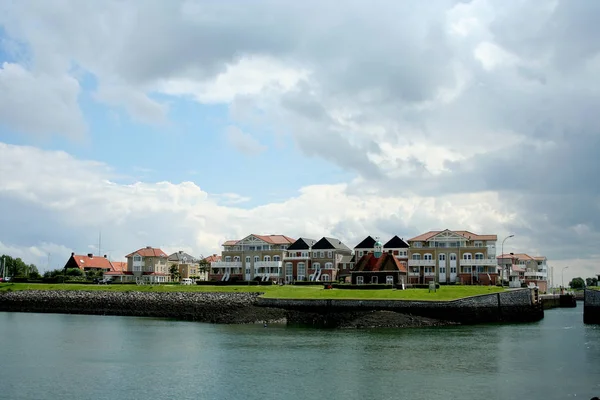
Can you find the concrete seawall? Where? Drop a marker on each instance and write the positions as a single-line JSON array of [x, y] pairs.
[[222, 308], [511, 306], [591, 307]]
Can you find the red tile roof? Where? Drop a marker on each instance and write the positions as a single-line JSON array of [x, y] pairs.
[[213, 258], [92, 262], [272, 239], [368, 262], [119, 266], [148, 252], [466, 234]]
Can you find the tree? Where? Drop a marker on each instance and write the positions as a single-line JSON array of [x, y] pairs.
[[174, 271], [591, 281], [16, 267], [203, 266], [577, 283]]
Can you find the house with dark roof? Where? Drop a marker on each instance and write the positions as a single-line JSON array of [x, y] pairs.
[[297, 260], [149, 264], [378, 267], [364, 247], [448, 256], [251, 258], [187, 265], [326, 256]]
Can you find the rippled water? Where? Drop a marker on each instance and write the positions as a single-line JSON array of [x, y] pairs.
[[53, 356]]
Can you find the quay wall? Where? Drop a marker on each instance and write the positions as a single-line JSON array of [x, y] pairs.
[[510, 306], [591, 306], [221, 308]]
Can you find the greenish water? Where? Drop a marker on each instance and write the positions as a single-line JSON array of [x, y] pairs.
[[53, 356]]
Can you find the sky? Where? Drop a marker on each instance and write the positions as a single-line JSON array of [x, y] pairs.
[[182, 124]]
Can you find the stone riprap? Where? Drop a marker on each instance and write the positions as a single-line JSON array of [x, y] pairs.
[[591, 306], [225, 308], [510, 306]]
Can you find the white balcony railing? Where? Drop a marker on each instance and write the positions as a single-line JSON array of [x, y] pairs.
[[267, 264], [296, 257], [421, 263], [539, 274], [484, 262], [226, 264]]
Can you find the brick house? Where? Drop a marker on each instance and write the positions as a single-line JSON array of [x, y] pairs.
[[378, 267], [297, 260]]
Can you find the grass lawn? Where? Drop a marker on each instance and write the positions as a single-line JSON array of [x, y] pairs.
[[282, 292]]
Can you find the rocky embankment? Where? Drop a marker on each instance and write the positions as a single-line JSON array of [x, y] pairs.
[[221, 308]]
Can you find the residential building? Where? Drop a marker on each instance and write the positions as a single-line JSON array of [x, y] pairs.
[[149, 265], [119, 272], [378, 267], [89, 262], [204, 268], [398, 248], [395, 246], [521, 268], [453, 256], [262, 257], [187, 265], [297, 260], [326, 256]]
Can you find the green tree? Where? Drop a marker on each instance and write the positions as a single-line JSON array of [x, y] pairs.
[[591, 281], [16, 267], [174, 271], [203, 266], [577, 283]]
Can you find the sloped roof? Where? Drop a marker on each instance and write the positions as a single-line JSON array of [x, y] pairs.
[[148, 251], [85, 261], [327, 243], [271, 239], [302, 244], [367, 243], [396, 243], [212, 258], [387, 262], [119, 266], [346, 259], [466, 234], [182, 256]]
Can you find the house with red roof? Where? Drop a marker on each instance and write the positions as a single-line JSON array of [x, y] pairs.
[[89, 262], [378, 267], [250, 258], [519, 268], [453, 257], [149, 265]]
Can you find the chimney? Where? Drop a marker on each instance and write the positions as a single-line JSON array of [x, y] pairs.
[[105, 256], [148, 247], [180, 251], [90, 255], [72, 254]]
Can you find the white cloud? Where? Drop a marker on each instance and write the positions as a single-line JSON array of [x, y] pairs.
[[243, 142], [40, 104]]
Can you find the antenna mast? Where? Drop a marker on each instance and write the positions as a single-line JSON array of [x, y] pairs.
[[100, 243]]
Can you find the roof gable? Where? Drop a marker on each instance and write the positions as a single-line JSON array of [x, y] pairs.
[[387, 262], [327, 243], [302, 244], [367, 243], [396, 243], [148, 251]]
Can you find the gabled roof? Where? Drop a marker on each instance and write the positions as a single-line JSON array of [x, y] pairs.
[[212, 258], [271, 239], [367, 243], [327, 243], [148, 251], [302, 244], [182, 257], [465, 234], [119, 266], [346, 259], [396, 243], [92, 262], [387, 262]]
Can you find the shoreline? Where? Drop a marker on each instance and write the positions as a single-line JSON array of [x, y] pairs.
[[247, 308]]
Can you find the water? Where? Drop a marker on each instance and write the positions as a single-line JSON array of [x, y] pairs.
[[53, 356]]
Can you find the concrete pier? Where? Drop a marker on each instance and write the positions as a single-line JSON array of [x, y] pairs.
[[591, 306]]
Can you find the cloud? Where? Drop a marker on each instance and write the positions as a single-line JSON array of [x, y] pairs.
[[243, 142]]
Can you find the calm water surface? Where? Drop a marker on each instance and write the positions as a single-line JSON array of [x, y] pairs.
[[53, 356]]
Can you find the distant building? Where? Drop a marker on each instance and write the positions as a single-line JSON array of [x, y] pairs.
[[187, 265], [378, 267], [149, 264]]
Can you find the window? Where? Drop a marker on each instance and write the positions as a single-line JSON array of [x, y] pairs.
[[374, 280], [361, 253], [429, 270], [137, 268], [329, 254], [276, 258], [418, 245], [480, 269], [360, 280], [267, 258], [315, 254], [442, 270], [442, 257], [227, 259], [427, 257], [301, 271], [325, 278], [479, 256], [328, 265], [248, 258], [478, 244], [389, 280], [289, 268], [316, 266], [256, 259], [467, 256], [322, 254], [453, 270], [236, 258], [467, 270], [416, 256], [452, 257], [137, 258]]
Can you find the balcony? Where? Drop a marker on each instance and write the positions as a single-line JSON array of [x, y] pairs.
[[534, 274], [226, 264], [296, 257], [267, 264], [484, 262], [421, 263]]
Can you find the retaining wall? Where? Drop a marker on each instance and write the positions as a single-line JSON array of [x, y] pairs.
[[510, 306], [225, 308], [591, 307]]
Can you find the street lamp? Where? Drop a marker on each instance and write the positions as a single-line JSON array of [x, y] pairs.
[[502, 269], [563, 277]]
